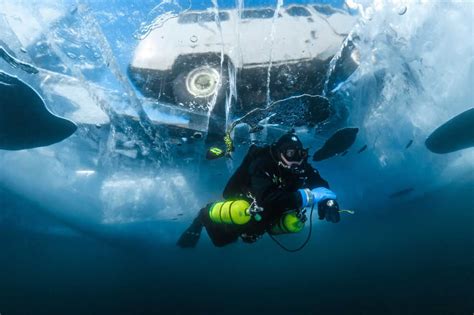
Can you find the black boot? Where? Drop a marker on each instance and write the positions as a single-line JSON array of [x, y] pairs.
[[190, 237]]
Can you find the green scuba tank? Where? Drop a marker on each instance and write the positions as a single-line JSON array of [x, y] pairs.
[[287, 223], [230, 212]]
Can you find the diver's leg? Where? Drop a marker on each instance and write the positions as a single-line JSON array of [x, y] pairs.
[[220, 234]]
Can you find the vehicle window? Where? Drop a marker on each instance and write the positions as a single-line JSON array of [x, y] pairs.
[[188, 18], [204, 17], [258, 14], [324, 9], [223, 16], [298, 11]]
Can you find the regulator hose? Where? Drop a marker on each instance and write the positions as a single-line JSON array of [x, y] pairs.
[[291, 250]]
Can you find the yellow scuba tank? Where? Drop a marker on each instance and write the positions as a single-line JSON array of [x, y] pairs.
[[287, 223], [230, 212]]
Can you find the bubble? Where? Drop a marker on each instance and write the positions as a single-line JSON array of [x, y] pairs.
[[402, 10], [166, 10], [71, 55], [197, 135], [369, 14], [193, 39]]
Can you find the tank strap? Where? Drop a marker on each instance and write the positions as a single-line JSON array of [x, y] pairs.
[[220, 212], [211, 208], [230, 211]]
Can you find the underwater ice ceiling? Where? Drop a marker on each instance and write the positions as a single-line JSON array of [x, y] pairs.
[[150, 87]]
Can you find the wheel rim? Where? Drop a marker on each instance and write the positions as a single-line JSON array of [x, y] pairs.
[[202, 82]]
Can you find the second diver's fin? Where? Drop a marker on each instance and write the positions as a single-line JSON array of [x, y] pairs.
[[190, 237]]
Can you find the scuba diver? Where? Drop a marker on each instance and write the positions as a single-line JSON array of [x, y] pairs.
[[269, 192]]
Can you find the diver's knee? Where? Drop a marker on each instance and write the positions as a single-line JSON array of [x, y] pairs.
[[223, 241], [203, 215]]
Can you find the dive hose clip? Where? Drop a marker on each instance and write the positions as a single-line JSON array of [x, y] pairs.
[[301, 215], [229, 144], [254, 210], [216, 152]]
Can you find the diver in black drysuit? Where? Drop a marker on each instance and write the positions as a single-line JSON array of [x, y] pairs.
[[278, 178]]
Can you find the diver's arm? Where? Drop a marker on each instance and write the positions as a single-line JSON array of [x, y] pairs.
[[316, 188]]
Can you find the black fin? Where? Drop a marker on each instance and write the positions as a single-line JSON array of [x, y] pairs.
[[190, 237], [402, 192], [362, 149]]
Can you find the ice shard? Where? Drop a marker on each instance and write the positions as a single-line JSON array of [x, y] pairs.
[[456, 134], [25, 122], [339, 142]]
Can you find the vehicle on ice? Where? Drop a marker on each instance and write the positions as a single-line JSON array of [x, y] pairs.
[[251, 56]]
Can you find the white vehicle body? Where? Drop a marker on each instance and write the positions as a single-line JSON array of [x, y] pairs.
[[247, 42], [297, 42]]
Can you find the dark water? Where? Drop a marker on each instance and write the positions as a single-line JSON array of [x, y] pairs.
[[416, 257]]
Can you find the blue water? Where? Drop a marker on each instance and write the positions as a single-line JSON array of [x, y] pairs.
[[85, 230]]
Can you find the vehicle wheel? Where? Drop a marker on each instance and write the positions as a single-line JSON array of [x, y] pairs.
[[197, 88]]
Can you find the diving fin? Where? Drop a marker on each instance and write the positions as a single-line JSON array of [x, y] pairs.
[[190, 237]]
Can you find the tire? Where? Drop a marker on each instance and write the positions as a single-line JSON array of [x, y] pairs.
[[196, 87]]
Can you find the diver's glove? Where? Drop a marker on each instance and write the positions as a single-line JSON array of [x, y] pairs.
[[329, 209], [315, 196]]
